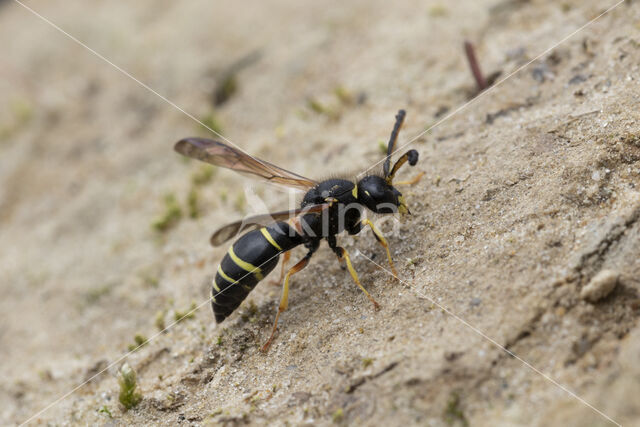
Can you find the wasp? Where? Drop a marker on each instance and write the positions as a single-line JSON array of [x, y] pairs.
[[328, 208]]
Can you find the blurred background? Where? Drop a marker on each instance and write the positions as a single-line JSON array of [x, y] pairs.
[[104, 229]]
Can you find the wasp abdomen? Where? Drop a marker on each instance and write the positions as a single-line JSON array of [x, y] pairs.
[[248, 261]]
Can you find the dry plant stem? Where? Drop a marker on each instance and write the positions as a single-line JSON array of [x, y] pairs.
[[481, 83]]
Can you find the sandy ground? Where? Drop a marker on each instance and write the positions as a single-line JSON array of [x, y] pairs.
[[530, 193]]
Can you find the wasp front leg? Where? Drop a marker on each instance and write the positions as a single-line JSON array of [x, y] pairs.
[[380, 238], [411, 181]]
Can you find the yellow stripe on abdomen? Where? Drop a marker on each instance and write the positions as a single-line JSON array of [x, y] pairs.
[[270, 238], [224, 276], [245, 265]]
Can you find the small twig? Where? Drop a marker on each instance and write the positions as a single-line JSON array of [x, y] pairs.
[[357, 383], [481, 83]]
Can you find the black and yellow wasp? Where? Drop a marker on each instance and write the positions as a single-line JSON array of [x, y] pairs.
[[328, 208]]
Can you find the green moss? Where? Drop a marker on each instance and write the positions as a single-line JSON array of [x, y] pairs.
[[453, 413], [219, 341], [279, 131], [429, 127], [128, 396], [105, 410], [159, 321], [338, 415], [215, 413], [211, 122], [190, 313], [95, 294], [249, 314], [438, 11], [302, 114], [149, 279], [343, 95], [382, 146], [139, 341], [22, 114], [240, 202], [367, 361], [172, 214], [226, 89], [45, 375], [192, 204], [203, 175], [22, 111], [5, 132], [315, 106], [253, 308]]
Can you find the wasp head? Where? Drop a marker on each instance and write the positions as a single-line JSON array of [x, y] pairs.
[[379, 196]]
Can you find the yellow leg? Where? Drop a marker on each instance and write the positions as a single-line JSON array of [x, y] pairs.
[[285, 297], [354, 274], [380, 238], [412, 181], [285, 260]]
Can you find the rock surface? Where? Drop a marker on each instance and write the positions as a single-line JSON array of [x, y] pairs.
[[530, 192], [600, 286]]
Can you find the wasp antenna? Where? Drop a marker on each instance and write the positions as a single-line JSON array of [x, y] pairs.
[[410, 156], [392, 140]]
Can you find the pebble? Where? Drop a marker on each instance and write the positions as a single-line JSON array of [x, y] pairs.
[[601, 285]]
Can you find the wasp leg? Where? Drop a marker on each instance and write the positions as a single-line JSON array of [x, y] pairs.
[[411, 181], [285, 259], [380, 238], [343, 255], [285, 294]]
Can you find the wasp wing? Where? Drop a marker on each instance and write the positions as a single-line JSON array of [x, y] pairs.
[[231, 230], [220, 154]]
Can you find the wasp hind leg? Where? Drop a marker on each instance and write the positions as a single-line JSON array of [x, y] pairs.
[[343, 255], [284, 300], [285, 259]]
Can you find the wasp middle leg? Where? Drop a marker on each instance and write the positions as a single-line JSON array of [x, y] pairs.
[[285, 259]]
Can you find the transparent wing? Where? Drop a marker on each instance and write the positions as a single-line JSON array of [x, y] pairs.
[[227, 232], [222, 155]]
